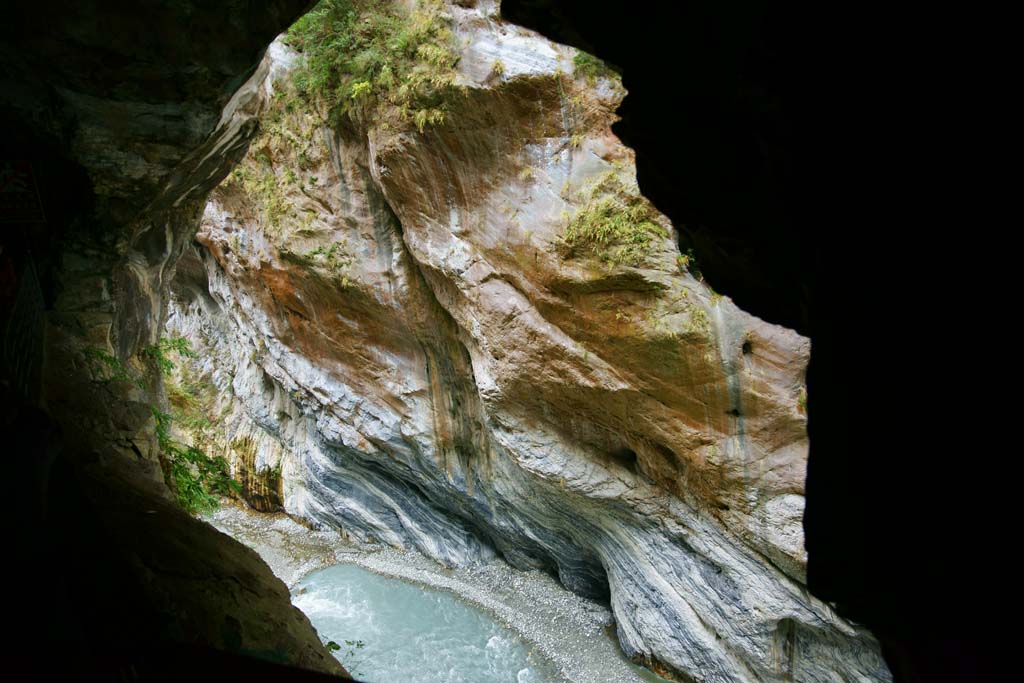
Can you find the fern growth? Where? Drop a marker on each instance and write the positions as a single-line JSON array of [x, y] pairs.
[[165, 346], [614, 224], [376, 62], [196, 478]]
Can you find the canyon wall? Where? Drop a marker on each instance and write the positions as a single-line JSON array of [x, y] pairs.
[[125, 118], [400, 335]]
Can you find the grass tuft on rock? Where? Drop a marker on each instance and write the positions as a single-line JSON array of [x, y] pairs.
[[263, 189], [335, 258], [590, 68], [614, 224]]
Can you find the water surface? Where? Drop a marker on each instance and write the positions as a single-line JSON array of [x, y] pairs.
[[411, 633]]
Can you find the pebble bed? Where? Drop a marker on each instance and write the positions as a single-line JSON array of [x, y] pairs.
[[568, 630]]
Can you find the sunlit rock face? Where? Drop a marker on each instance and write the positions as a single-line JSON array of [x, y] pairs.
[[407, 338]]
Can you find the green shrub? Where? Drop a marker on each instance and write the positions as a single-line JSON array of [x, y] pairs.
[[698, 322], [364, 57], [688, 262], [167, 345], [196, 478], [199, 479], [615, 224], [163, 428]]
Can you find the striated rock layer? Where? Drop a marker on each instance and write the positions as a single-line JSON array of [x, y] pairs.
[[406, 346]]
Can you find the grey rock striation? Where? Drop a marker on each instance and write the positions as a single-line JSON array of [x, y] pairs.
[[412, 345]]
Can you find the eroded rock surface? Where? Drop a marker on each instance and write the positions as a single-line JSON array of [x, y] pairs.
[[128, 114], [403, 340]]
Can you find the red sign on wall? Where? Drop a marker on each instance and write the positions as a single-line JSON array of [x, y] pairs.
[[19, 197]]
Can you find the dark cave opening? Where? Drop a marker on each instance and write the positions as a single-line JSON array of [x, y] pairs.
[[625, 458]]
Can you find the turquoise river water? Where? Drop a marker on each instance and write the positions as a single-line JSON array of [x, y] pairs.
[[411, 633]]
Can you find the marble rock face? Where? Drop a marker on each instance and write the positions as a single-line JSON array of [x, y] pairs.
[[409, 346]]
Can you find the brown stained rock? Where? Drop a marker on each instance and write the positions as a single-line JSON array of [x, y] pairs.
[[647, 358], [261, 486], [404, 337]]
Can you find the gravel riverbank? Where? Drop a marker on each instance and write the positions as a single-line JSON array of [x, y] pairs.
[[570, 631]]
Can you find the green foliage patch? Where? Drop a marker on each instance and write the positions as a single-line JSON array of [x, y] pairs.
[[263, 188], [104, 367], [373, 61], [614, 223], [165, 346], [335, 257], [188, 400], [589, 67], [351, 659], [688, 262], [196, 478], [698, 322]]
